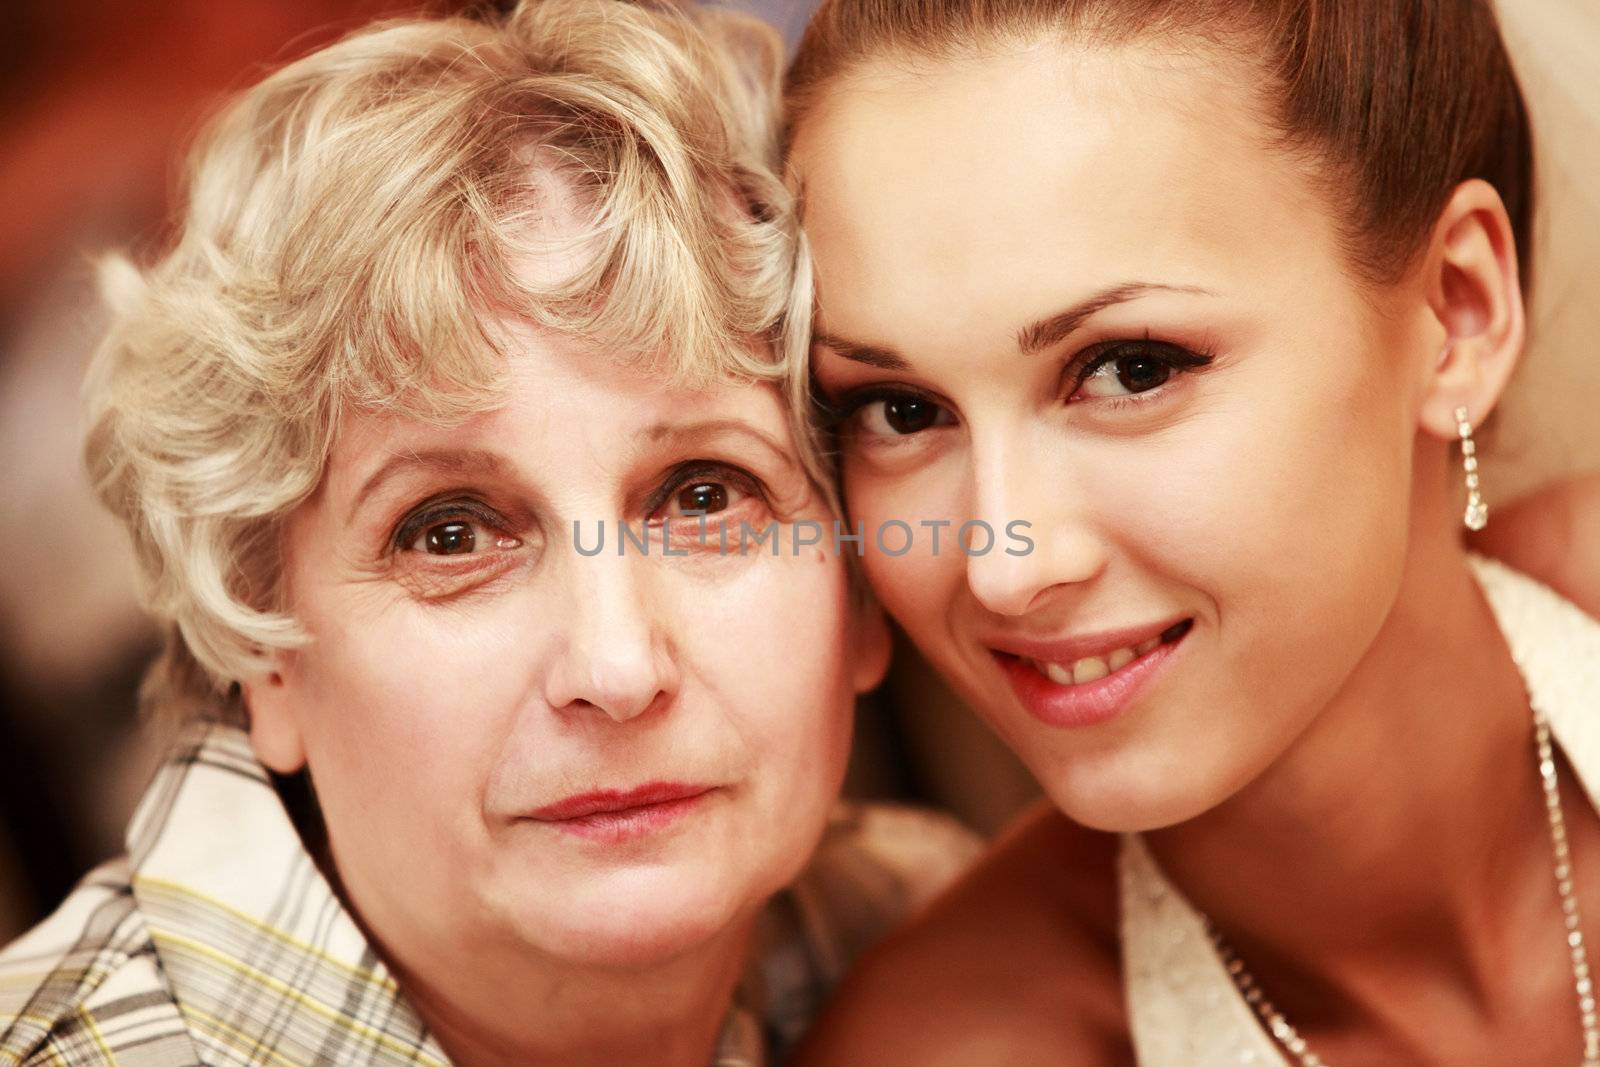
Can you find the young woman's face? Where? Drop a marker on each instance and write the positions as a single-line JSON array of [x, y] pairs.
[[604, 758], [1075, 288]]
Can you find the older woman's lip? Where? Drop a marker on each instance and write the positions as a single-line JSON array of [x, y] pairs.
[[617, 801], [613, 817]]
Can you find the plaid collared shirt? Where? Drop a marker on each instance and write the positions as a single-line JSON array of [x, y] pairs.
[[216, 940]]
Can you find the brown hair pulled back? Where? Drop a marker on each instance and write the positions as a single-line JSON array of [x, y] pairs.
[[1400, 100]]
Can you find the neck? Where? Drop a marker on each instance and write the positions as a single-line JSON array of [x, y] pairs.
[[500, 1006], [1406, 822]]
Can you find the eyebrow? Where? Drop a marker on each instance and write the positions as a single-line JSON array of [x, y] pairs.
[[1033, 338], [1052, 329], [872, 355], [442, 460], [707, 430]]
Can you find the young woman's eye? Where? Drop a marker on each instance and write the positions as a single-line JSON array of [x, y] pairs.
[[1129, 368], [898, 415]]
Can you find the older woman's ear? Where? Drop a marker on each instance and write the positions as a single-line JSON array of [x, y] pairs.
[[870, 644], [274, 730]]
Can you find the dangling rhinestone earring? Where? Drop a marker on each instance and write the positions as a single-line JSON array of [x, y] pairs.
[[1477, 516]]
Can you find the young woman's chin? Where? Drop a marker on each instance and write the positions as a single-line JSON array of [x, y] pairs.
[[1148, 783]]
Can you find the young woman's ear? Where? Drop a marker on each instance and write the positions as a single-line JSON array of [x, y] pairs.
[[870, 643], [274, 727], [1475, 292]]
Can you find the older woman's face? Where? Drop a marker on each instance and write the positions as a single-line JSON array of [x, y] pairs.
[[606, 757]]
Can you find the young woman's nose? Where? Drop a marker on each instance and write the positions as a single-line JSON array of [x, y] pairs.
[[1063, 547]]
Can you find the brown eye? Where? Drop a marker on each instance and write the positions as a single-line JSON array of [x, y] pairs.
[[456, 546], [1126, 375], [703, 493], [909, 414], [706, 498], [449, 539], [1133, 367], [1141, 373], [900, 415]]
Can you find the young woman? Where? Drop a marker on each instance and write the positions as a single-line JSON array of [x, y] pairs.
[[1217, 297], [454, 787]]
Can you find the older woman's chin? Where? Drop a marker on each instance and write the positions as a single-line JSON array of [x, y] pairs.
[[594, 900], [643, 915]]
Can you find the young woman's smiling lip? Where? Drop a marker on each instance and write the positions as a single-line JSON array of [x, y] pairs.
[[1088, 679], [614, 816]]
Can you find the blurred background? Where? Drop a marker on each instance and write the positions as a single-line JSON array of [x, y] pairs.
[[98, 98]]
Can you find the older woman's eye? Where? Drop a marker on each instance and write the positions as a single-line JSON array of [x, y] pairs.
[[705, 498], [453, 547], [450, 532], [447, 539], [702, 496], [1130, 368], [704, 492]]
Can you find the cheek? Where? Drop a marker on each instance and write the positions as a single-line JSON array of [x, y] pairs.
[[771, 648], [1262, 505], [767, 675], [1289, 458], [407, 707], [1306, 482], [917, 571]]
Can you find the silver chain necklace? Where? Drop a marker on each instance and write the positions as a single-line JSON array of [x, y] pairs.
[[1295, 1045]]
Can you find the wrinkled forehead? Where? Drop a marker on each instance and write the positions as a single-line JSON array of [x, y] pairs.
[[569, 406]]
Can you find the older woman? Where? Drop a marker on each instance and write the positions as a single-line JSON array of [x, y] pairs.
[[453, 785]]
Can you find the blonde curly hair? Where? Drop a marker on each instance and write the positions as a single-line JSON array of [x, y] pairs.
[[350, 232]]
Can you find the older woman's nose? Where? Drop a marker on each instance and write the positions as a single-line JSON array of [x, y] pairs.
[[614, 653]]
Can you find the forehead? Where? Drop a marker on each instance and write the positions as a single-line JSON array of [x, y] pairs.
[[1011, 176], [566, 405]]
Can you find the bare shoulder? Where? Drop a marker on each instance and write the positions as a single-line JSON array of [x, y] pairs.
[[1554, 536], [1017, 962]]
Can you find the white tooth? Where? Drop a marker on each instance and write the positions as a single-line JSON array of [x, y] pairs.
[[1058, 674], [1120, 658], [1145, 646], [1089, 670]]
